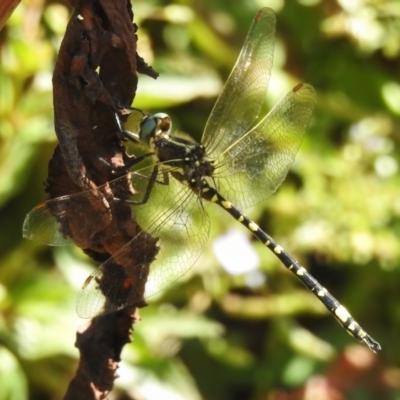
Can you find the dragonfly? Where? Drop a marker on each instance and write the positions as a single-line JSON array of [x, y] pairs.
[[244, 156]]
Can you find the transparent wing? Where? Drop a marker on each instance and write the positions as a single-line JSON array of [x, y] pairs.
[[55, 222], [254, 167], [45, 223], [240, 101], [174, 220]]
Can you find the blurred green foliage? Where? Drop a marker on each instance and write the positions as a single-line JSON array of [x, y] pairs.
[[211, 335]]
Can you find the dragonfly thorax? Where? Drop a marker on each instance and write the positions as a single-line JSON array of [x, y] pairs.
[[184, 158]]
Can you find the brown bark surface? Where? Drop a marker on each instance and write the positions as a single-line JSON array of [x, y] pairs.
[[95, 78], [6, 9]]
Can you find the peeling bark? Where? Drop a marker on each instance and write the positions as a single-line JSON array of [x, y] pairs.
[[94, 78]]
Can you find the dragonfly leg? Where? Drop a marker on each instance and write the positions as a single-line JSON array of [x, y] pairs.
[[152, 181], [123, 133], [128, 165], [165, 176], [149, 188]]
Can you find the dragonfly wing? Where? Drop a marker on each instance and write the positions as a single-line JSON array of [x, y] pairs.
[[256, 165], [244, 92], [44, 223], [174, 231], [71, 219]]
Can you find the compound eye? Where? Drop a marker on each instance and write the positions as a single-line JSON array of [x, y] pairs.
[[153, 125], [148, 127], [163, 122]]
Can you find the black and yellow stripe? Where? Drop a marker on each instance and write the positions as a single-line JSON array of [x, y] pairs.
[[332, 304]]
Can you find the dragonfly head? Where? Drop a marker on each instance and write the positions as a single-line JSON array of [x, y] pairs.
[[154, 125]]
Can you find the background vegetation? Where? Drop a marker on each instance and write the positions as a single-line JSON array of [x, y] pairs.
[[217, 334]]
